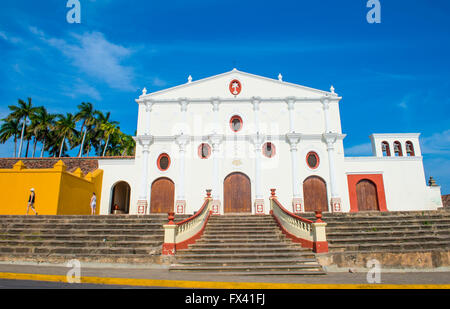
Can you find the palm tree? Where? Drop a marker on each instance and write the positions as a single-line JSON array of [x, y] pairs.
[[87, 115], [66, 128], [128, 145], [108, 128], [10, 128], [21, 113], [42, 122]]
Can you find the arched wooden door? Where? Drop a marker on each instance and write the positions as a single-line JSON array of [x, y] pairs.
[[237, 197], [366, 193], [163, 196], [315, 194]]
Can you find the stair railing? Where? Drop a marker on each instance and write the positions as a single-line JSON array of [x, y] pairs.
[[309, 234], [179, 235]]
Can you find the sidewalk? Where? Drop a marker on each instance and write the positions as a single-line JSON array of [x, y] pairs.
[[159, 276]]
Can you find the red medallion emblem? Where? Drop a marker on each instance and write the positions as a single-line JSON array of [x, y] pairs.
[[235, 87]]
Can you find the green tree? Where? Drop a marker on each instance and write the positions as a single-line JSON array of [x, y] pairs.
[[21, 113], [86, 114], [66, 128], [10, 128]]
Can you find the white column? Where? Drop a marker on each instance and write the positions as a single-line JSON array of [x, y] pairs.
[[291, 109], [330, 139], [258, 140], [297, 200], [180, 205], [148, 109], [145, 141], [215, 141]]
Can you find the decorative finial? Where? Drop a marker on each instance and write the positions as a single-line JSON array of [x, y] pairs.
[[190, 79], [144, 91], [280, 77], [332, 89], [234, 69], [432, 182]]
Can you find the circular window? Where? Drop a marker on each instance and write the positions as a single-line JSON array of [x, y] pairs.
[[269, 149], [204, 151], [163, 162], [312, 159], [236, 123]]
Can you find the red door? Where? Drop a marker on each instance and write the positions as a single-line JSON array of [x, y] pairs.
[[162, 196], [366, 193], [237, 196], [315, 194]]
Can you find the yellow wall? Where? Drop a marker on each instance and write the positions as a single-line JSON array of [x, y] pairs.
[[57, 192]]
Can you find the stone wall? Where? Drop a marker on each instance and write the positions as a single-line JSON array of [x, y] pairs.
[[446, 200]]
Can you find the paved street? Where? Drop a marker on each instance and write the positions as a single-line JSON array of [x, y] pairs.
[[154, 274]]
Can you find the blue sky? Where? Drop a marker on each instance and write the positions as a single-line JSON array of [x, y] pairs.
[[393, 76]]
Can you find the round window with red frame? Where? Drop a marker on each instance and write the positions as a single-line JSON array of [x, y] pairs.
[[204, 151], [235, 87], [312, 159], [269, 150], [163, 162], [236, 123]]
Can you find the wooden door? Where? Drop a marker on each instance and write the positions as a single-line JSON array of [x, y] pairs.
[[162, 196], [315, 194], [366, 193], [237, 197]]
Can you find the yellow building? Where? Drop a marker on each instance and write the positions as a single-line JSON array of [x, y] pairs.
[[58, 192]]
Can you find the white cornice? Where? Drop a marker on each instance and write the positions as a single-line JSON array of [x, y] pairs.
[[249, 100], [394, 135], [381, 159], [234, 71]]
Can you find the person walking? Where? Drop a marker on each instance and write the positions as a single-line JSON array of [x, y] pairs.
[[31, 200], [93, 203]]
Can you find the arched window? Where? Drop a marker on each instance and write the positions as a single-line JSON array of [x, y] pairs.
[[312, 159], [236, 123], [409, 149], [398, 149], [385, 149], [204, 151], [163, 162], [269, 149]]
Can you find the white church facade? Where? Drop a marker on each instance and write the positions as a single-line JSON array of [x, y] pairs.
[[240, 135]]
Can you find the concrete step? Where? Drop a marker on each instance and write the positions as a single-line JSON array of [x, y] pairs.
[[249, 268], [81, 226], [219, 240], [240, 246], [267, 273], [244, 255], [25, 231], [399, 234], [77, 237], [79, 244], [276, 261], [90, 257], [76, 251], [390, 246], [406, 227], [371, 240]]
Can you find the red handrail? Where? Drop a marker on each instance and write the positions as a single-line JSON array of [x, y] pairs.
[[290, 213], [195, 215]]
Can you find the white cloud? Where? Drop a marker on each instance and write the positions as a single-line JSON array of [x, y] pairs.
[[80, 87], [94, 55], [11, 39], [438, 143]]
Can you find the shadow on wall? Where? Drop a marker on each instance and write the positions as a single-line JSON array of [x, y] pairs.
[[58, 192]]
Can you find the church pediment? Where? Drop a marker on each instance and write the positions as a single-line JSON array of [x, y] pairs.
[[239, 85]]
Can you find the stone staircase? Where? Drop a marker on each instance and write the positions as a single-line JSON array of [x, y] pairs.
[[109, 239], [387, 231], [246, 245]]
